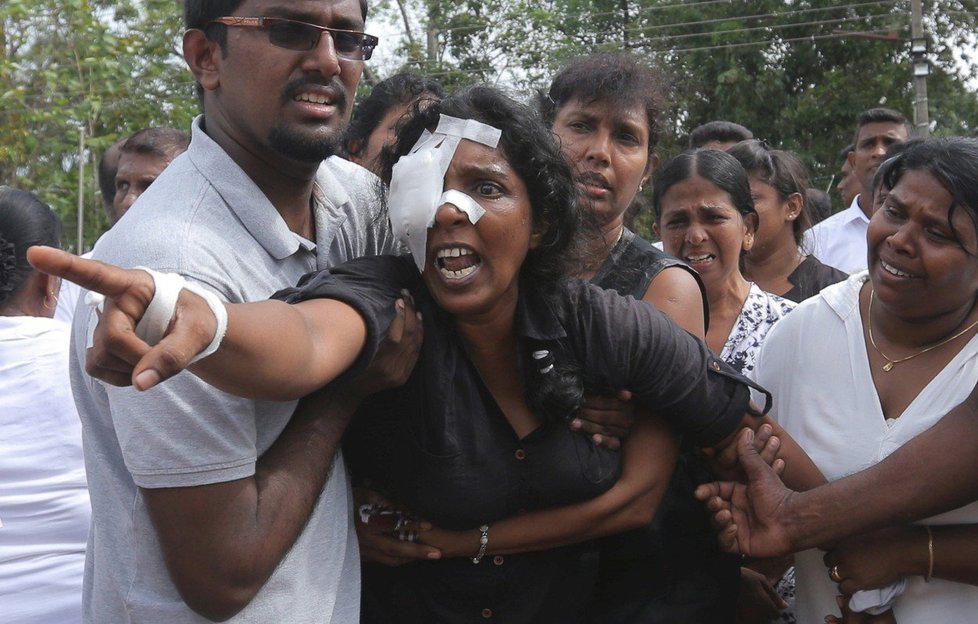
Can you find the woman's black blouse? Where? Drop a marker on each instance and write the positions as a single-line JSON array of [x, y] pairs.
[[672, 571], [634, 262], [440, 446]]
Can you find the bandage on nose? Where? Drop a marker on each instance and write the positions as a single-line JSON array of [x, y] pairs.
[[463, 203], [418, 181]]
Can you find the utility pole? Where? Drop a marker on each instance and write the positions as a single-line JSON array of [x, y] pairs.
[[921, 69]]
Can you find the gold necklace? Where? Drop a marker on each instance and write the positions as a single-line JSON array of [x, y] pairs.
[[890, 362]]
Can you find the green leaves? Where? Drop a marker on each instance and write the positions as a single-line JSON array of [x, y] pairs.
[[785, 70], [797, 73], [105, 67]]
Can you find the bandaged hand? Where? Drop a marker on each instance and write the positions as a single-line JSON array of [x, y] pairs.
[[141, 318]]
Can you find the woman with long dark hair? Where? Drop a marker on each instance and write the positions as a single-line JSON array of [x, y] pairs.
[[476, 441]]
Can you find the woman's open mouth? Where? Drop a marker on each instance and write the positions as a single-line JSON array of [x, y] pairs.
[[694, 259], [456, 263]]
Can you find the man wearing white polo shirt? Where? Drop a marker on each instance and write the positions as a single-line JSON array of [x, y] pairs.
[[840, 240]]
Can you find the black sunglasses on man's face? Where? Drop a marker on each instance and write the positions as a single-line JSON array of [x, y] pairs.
[[302, 36]]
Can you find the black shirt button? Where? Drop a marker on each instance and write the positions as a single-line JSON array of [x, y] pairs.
[[715, 365], [498, 560], [487, 613], [520, 454]]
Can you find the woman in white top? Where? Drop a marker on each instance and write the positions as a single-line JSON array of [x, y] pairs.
[[870, 363], [44, 506]]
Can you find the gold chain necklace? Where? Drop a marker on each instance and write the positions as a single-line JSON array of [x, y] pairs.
[[890, 362]]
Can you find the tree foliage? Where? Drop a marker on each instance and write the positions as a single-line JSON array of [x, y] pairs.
[[75, 75], [796, 72]]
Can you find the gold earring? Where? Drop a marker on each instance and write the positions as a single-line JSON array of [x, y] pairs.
[[53, 305]]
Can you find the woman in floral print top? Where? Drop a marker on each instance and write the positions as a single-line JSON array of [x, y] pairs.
[[705, 215]]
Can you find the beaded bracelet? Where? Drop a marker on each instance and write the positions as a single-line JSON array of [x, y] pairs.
[[483, 543]]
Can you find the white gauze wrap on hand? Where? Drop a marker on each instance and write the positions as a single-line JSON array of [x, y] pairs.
[[877, 601], [418, 179], [153, 325]]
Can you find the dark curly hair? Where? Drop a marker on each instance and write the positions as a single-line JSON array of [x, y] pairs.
[[398, 90], [533, 153], [25, 221], [614, 77]]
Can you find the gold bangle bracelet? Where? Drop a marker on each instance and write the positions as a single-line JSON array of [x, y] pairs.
[[930, 554]]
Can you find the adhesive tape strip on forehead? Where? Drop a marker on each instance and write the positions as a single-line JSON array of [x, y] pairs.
[[418, 181]]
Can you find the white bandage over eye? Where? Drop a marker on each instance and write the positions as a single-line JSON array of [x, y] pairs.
[[418, 181]]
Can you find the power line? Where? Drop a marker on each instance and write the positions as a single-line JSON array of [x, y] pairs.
[[760, 43], [114, 101], [765, 42], [644, 10], [772, 27], [772, 15]]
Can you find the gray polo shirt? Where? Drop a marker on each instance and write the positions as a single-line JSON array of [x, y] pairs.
[[205, 219]]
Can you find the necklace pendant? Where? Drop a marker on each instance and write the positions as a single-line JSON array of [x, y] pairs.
[[888, 367]]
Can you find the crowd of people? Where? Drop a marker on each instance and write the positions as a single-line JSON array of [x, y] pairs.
[[409, 360]]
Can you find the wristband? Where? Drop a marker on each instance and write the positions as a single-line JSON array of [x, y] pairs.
[[220, 313], [156, 320]]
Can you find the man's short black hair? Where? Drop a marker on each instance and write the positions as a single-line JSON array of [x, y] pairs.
[[819, 205], [881, 114], [721, 131], [164, 142], [200, 13], [844, 152]]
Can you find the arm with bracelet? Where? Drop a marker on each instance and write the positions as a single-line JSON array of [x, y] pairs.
[[648, 458], [881, 557]]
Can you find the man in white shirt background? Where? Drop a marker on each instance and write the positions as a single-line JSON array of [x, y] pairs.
[[840, 240]]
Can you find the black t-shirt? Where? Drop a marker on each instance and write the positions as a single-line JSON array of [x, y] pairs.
[[634, 262], [810, 277], [440, 446]]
